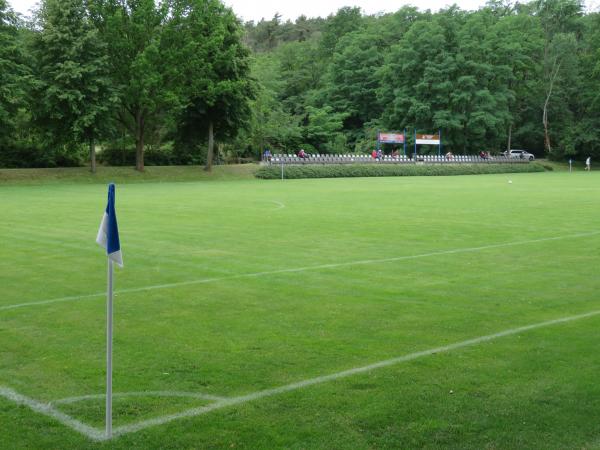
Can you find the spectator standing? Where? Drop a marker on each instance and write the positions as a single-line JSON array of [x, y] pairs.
[[379, 155], [301, 153], [267, 155], [374, 154], [588, 164]]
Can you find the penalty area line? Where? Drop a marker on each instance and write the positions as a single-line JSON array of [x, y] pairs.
[[300, 269], [98, 435], [194, 412]]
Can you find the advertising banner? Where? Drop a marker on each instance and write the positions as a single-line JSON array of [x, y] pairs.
[[391, 138], [428, 139]]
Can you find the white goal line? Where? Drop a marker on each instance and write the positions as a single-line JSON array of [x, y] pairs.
[[298, 269]]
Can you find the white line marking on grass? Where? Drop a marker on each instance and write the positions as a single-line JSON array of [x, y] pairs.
[[301, 269], [55, 300], [279, 204], [119, 431], [193, 395], [48, 410], [98, 435]]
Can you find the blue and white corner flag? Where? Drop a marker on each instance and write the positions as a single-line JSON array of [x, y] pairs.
[[108, 234]]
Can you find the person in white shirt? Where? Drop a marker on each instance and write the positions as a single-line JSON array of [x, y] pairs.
[[588, 163]]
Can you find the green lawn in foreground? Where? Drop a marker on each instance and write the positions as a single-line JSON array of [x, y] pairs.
[[237, 335]]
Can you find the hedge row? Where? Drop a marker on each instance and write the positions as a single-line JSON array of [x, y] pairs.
[[125, 156], [32, 156], [384, 170]]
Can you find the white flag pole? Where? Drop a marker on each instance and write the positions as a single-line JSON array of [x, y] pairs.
[[109, 336]]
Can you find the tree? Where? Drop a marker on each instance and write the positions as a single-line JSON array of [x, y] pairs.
[[270, 126], [517, 43], [586, 135], [217, 71], [417, 81], [267, 32], [352, 78], [443, 75], [559, 20], [12, 72], [323, 127], [481, 96], [148, 87], [73, 91], [300, 70], [559, 65], [265, 36], [346, 20]]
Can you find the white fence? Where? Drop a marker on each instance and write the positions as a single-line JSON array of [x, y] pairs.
[[416, 159]]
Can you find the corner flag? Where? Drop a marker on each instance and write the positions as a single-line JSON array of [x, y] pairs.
[[108, 237], [108, 234]]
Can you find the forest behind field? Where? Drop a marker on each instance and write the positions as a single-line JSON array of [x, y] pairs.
[[185, 82]]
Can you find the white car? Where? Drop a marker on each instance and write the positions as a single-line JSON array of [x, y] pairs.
[[521, 154]]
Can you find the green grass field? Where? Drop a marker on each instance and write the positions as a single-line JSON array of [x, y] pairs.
[[245, 304]]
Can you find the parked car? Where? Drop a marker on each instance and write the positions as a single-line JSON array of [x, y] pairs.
[[521, 154]]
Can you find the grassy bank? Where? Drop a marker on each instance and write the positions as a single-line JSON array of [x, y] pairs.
[[125, 174]]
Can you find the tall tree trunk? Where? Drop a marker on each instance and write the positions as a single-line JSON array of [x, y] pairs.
[[211, 147], [553, 77], [92, 154], [547, 144], [139, 142], [219, 153], [508, 143]]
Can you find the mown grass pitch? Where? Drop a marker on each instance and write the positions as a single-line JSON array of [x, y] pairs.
[[234, 288]]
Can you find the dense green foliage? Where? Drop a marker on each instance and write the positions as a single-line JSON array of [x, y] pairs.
[[184, 79], [121, 73], [10, 69], [141, 68], [241, 286], [216, 72], [273, 172], [505, 76], [73, 91]]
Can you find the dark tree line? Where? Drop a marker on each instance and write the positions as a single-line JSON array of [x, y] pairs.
[[169, 82], [505, 76], [124, 74]]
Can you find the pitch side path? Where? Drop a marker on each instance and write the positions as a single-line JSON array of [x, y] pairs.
[[449, 312]]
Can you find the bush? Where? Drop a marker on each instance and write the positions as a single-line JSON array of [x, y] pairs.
[[124, 156], [116, 156], [21, 156], [389, 170]]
